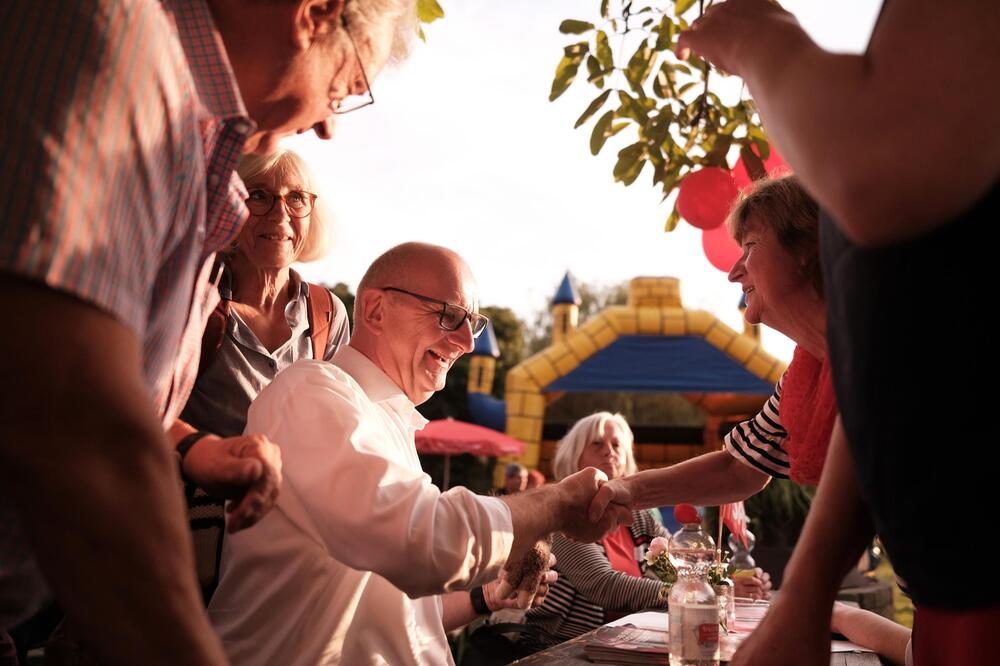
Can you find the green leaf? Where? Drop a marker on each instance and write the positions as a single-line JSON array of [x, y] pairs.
[[658, 128], [577, 50], [604, 51], [600, 132], [759, 139], [594, 71], [672, 220], [565, 73], [429, 11], [592, 109], [754, 165], [631, 108], [682, 6], [664, 33], [687, 86], [630, 163], [663, 82], [617, 127], [604, 8], [720, 148], [639, 66], [573, 27]]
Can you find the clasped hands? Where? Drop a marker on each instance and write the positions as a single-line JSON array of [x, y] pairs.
[[526, 576]]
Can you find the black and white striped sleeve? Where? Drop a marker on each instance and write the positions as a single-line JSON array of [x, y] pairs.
[[586, 567], [758, 442]]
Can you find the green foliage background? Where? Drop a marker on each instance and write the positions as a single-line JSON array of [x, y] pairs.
[[668, 105]]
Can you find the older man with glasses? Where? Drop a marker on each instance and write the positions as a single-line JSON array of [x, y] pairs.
[[123, 121], [345, 569]]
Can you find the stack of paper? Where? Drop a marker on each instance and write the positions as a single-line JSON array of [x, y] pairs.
[[628, 645]]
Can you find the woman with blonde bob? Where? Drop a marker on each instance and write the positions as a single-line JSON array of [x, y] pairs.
[[266, 304], [268, 318], [597, 581]]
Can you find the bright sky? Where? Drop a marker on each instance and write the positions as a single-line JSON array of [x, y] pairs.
[[463, 148]]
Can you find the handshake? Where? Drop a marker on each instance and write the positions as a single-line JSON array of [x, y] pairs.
[[584, 507]]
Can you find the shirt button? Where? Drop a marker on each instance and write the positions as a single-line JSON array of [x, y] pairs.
[[213, 180], [241, 127]]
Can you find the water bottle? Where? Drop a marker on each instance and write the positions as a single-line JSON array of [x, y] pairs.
[[692, 604]]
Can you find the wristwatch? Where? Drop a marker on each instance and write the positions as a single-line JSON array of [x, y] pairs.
[[185, 445]]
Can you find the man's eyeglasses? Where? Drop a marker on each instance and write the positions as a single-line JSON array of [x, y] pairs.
[[355, 102], [297, 203], [452, 316]]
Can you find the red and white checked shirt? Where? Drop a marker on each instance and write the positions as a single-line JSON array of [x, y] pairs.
[[121, 125]]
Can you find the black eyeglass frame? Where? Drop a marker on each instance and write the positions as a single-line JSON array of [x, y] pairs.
[[340, 110], [275, 198], [473, 317]]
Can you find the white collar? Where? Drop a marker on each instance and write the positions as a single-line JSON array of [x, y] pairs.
[[377, 385]]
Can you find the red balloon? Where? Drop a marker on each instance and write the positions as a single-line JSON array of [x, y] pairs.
[[774, 165], [705, 197], [720, 248]]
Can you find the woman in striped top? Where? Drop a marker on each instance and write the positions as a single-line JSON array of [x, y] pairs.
[[777, 225], [600, 581]]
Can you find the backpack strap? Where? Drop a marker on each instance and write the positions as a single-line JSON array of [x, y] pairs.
[[320, 318], [218, 319]]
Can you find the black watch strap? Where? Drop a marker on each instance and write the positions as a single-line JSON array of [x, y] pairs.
[[479, 601], [188, 441]]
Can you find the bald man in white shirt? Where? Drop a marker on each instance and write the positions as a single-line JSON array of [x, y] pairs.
[[352, 564]]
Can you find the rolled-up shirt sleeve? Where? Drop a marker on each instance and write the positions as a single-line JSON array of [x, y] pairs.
[[353, 482]]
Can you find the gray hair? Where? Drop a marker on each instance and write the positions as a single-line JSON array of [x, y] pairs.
[[367, 18], [287, 165], [584, 431]]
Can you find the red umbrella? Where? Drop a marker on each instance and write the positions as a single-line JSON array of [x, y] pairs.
[[448, 436]]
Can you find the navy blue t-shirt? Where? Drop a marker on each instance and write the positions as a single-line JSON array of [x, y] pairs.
[[914, 364]]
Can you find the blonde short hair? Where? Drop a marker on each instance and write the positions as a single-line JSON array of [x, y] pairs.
[[584, 431], [287, 165]]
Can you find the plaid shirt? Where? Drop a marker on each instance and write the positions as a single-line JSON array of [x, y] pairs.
[[121, 125], [122, 128]]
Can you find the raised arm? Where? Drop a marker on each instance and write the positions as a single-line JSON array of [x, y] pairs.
[[84, 461], [708, 479], [890, 142]]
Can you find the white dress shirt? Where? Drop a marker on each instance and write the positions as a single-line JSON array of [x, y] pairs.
[[334, 572]]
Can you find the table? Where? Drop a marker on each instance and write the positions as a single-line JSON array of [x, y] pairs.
[[570, 653]]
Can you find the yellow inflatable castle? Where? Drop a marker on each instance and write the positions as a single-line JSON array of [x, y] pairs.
[[650, 345]]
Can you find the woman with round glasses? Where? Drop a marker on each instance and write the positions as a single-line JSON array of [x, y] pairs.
[[268, 318]]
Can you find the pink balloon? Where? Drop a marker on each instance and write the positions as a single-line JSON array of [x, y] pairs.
[[774, 165], [705, 197], [720, 248]]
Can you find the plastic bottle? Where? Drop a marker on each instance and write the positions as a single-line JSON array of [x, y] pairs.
[[692, 604]]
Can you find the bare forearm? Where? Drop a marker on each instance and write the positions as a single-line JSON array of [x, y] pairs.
[[536, 513], [872, 631], [825, 109], [458, 610], [709, 479]]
